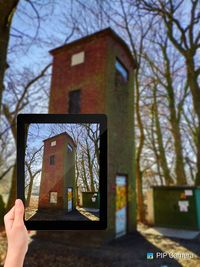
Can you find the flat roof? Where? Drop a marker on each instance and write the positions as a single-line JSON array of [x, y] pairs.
[[64, 133], [108, 31]]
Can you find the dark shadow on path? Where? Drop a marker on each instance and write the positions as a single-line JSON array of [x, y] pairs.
[[191, 245], [58, 215], [86, 248]]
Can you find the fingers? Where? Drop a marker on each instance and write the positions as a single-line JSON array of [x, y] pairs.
[[19, 212], [9, 219], [14, 216]]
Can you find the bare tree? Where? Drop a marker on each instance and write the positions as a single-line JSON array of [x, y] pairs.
[[32, 169], [162, 155], [165, 73], [86, 137], [186, 39], [20, 101]]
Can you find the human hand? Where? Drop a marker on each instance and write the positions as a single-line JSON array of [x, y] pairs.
[[17, 235]]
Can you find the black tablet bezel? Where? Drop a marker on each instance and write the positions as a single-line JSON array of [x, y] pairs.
[[22, 120]]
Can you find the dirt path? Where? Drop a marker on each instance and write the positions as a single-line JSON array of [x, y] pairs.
[[78, 214], [79, 249]]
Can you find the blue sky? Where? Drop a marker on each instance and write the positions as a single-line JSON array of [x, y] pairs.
[[39, 38]]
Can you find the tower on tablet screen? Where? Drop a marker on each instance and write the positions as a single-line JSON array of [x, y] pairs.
[[57, 187], [95, 75]]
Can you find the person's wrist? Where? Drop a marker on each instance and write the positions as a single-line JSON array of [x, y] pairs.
[[16, 252], [14, 258]]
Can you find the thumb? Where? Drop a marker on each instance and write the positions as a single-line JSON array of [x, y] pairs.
[[19, 212]]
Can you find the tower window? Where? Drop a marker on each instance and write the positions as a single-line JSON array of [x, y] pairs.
[[74, 102], [69, 148], [53, 143], [77, 58], [121, 69], [52, 160]]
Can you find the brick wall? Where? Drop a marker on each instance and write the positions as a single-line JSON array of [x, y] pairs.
[[99, 94], [54, 177]]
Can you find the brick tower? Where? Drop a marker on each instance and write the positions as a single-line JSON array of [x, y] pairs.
[[95, 75], [57, 187]]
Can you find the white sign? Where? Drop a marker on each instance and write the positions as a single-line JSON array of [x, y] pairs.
[[188, 192], [53, 143], [183, 202], [53, 197], [183, 206], [77, 58], [93, 199]]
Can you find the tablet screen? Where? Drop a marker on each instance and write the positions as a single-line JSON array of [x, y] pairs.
[[62, 171]]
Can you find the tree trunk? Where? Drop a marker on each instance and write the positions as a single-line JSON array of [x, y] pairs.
[[84, 176], [30, 187], [174, 120], [163, 160], [90, 167], [140, 197], [179, 164], [13, 189], [175, 129], [155, 149], [197, 179], [7, 10], [192, 77], [139, 185]]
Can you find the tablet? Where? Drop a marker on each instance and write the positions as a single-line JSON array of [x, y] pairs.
[[62, 170]]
